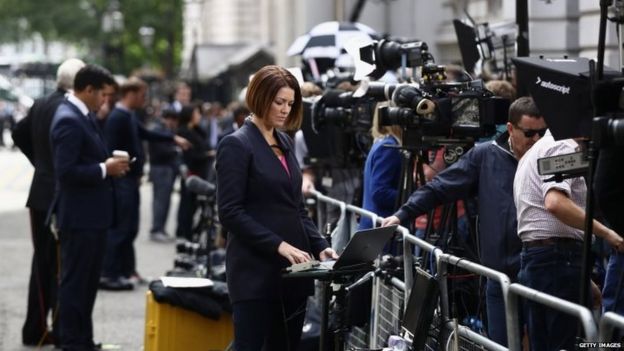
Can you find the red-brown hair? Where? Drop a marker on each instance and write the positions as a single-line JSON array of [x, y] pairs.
[[263, 88]]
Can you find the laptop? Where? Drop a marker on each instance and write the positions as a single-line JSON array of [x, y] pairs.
[[362, 249]]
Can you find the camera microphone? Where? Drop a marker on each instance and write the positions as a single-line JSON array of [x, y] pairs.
[[199, 186]]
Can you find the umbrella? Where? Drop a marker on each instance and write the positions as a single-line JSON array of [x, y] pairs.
[[328, 39]]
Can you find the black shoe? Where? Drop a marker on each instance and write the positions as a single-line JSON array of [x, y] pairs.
[[106, 346], [118, 284]]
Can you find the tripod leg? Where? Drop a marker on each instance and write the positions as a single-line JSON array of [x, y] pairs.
[[325, 295]]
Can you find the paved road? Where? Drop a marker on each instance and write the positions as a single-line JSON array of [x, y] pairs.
[[118, 316]]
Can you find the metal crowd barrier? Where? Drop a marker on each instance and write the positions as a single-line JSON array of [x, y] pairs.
[[608, 322], [582, 313], [511, 292], [442, 261]]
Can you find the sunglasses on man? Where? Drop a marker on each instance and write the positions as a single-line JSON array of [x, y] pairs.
[[529, 133]]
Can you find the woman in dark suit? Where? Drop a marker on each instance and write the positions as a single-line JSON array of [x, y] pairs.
[[260, 203]]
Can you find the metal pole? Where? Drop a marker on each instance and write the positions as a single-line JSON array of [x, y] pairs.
[[522, 20], [357, 11], [602, 35], [375, 312], [592, 154], [325, 296]]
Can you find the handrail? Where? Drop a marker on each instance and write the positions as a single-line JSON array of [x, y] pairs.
[[581, 312], [510, 291], [479, 339], [513, 336], [608, 322]]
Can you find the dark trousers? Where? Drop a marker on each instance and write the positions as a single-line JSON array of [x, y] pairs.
[[120, 260], [81, 262], [612, 294], [43, 285], [259, 325], [162, 177], [555, 270], [495, 306]]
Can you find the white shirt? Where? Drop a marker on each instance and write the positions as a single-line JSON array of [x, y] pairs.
[[85, 112], [534, 221], [78, 103]]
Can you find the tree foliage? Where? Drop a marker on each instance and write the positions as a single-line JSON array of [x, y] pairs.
[[80, 22]]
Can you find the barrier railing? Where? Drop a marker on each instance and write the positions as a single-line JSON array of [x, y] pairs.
[[580, 312], [441, 259], [608, 322], [444, 259], [510, 292]]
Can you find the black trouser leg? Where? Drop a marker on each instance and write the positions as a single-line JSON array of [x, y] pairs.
[[81, 262], [261, 325], [43, 285]]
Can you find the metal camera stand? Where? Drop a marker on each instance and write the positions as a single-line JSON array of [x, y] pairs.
[[326, 279]]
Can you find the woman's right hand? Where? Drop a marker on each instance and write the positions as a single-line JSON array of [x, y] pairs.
[[293, 254]]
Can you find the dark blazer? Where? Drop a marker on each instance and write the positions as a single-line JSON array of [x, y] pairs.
[[261, 206], [31, 135], [124, 131], [83, 200], [162, 153]]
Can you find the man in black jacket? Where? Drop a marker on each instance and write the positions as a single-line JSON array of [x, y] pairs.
[[125, 132], [31, 135]]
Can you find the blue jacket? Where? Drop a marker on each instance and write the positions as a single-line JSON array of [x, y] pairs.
[[261, 206], [382, 173], [487, 170], [83, 199]]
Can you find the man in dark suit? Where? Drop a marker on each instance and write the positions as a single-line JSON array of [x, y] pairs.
[[125, 132], [83, 206], [31, 135]]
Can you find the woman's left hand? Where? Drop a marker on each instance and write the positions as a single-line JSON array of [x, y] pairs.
[[328, 254]]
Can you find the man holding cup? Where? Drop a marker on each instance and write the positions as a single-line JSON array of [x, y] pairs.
[[83, 205], [125, 132]]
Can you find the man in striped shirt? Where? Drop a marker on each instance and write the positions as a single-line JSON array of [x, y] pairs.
[[550, 225]]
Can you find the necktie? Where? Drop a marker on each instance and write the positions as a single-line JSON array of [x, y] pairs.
[[96, 127], [91, 118]]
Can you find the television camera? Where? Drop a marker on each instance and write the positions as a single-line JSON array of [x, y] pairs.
[[431, 109], [336, 129], [444, 113]]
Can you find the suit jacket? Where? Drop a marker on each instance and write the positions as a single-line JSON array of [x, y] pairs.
[[31, 135], [261, 206], [83, 199], [124, 131]]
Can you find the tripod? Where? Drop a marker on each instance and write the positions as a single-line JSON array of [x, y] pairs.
[[414, 150], [449, 234]]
